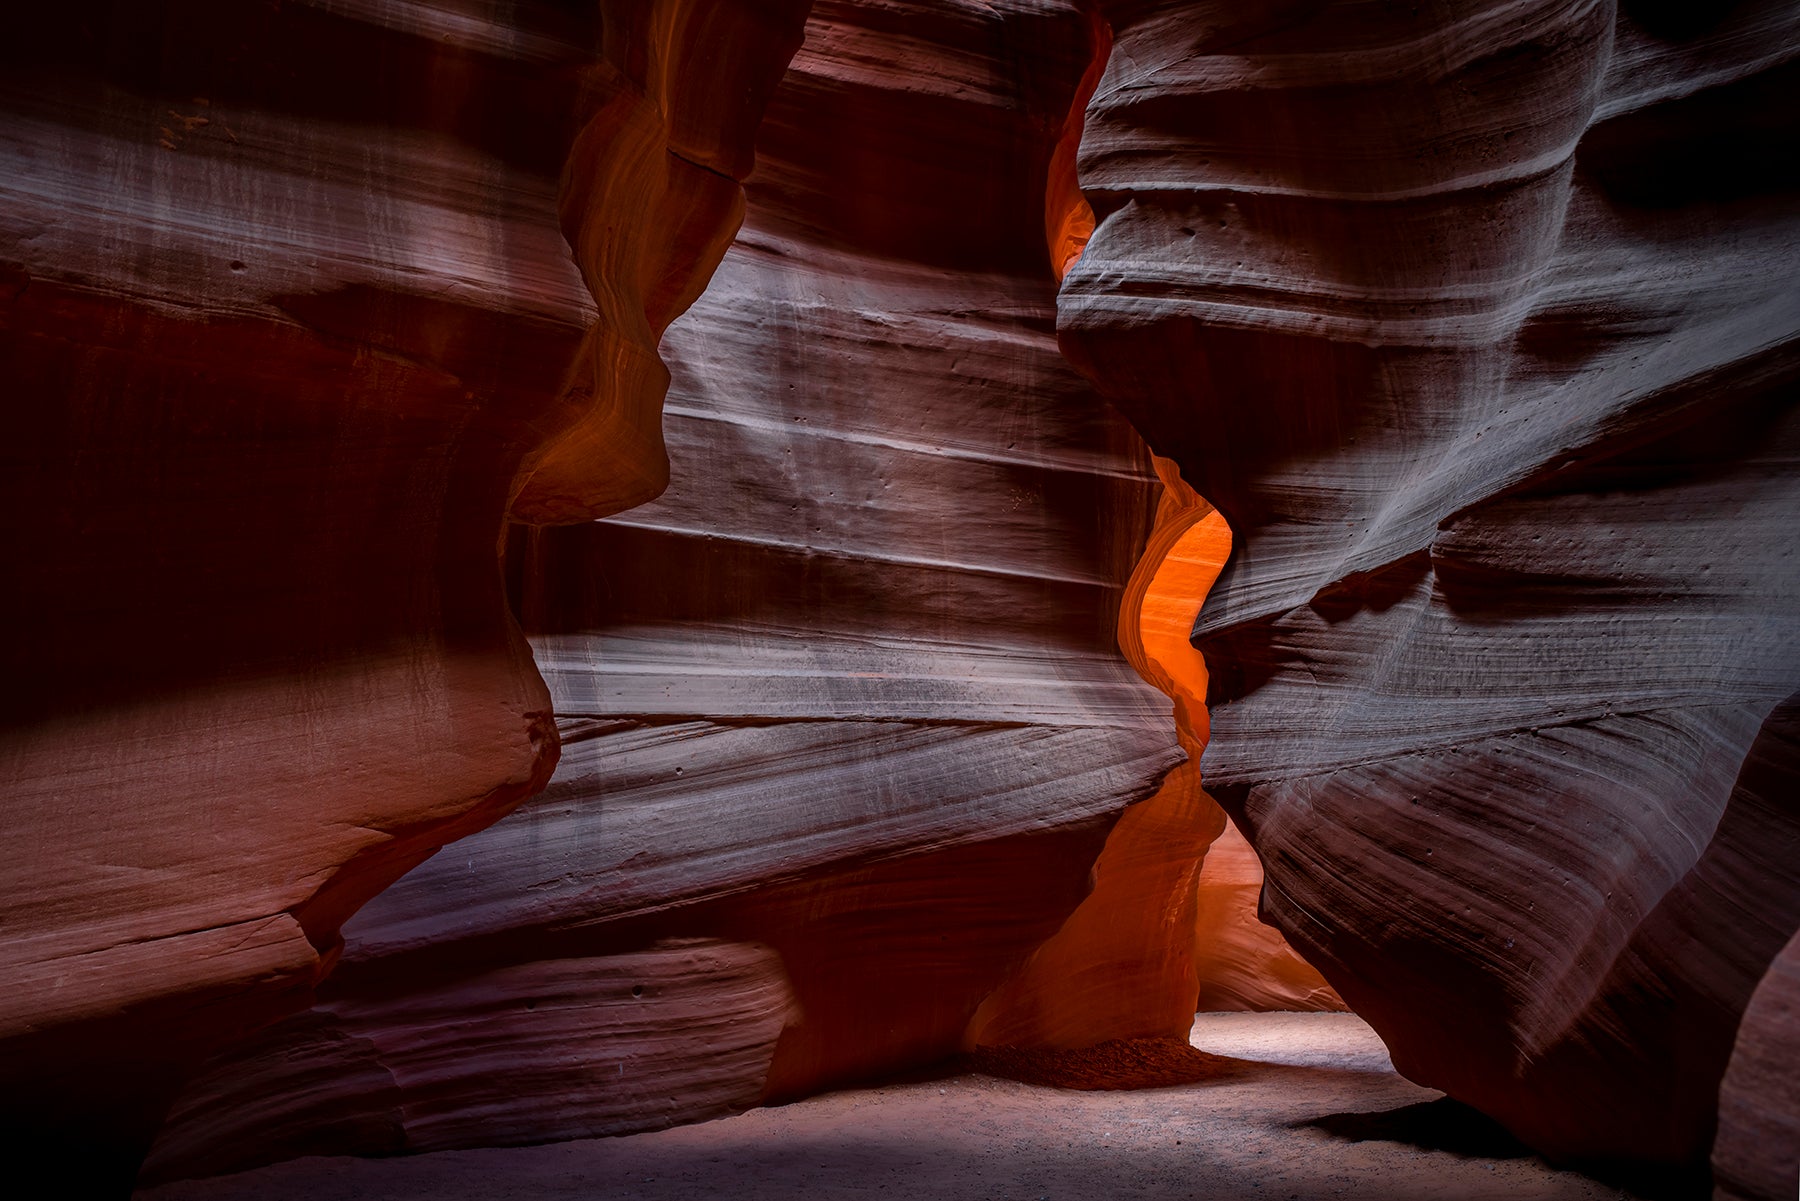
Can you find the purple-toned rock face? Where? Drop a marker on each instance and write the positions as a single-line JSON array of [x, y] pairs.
[[847, 699], [1478, 324], [1757, 1154], [289, 319]]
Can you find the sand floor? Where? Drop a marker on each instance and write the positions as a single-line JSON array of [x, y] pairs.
[[1314, 1111]]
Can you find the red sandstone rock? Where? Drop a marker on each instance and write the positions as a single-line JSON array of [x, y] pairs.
[[851, 688], [1241, 962], [1143, 949], [1476, 324], [650, 199], [283, 343], [534, 1052], [1122, 966]]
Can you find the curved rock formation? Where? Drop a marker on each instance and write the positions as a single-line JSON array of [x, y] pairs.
[[651, 197], [1475, 322], [1478, 325], [1171, 923], [283, 345], [1241, 962], [848, 694], [1123, 965], [1757, 1152], [1159, 933]]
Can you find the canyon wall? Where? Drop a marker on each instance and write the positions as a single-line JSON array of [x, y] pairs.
[[289, 318], [1457, 341], [1757, 1154], [844, 709], [1477, 323]]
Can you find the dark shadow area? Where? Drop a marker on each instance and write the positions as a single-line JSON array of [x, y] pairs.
[[1380, 588], [1674, 20], [266, 57], [1653, 1182], [1719, 145], [1450, 1126], [1445, 1124]]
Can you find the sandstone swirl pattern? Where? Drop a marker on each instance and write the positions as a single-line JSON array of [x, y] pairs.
[[1478, 323], [289, 320], [843, 710]]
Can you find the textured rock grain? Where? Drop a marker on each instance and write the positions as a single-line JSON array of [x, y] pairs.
[[1478, 325], [539, 1051], [284, 343], [1468, 331], [1757, 1154], [1242, 963], [850, 689]]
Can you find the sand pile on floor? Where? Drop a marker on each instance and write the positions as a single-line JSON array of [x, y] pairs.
[[1120, 1063]]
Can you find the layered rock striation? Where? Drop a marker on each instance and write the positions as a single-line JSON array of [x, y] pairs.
[[1477, 324], [845, 705], [1757, 1153], [285, 341], [1462, 339]]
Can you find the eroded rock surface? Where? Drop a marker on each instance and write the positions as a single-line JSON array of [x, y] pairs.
[[537, 1051], [850, 690], [1757, 1153], [1241, 962], [1478, 325], [1475, 323], [289, 318]]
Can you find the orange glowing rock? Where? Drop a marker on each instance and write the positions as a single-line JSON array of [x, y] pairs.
[[1068, 217], [1158, 933], [1242, 962], [849, 690]]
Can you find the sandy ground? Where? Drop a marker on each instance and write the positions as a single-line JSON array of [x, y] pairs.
[[1314, 1110]]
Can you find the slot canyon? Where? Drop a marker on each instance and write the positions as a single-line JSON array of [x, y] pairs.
[[964, 598]]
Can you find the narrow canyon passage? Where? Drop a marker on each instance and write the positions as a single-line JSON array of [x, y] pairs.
[[669, 597], [845, 724], [904, 614]]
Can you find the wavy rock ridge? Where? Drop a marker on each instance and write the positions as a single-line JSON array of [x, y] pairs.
[[1475, 322], [1162, 931], [283, 355], [845, 703], [1510, 595]]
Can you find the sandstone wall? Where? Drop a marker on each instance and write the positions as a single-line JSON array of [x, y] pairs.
[[1477, 323], [845, 703], [289, 318], [1456, 341]]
